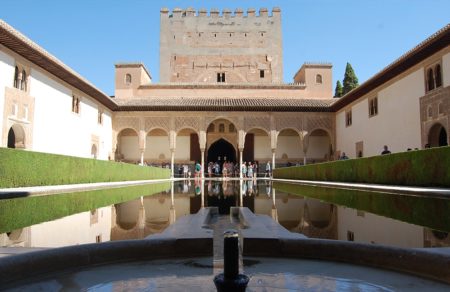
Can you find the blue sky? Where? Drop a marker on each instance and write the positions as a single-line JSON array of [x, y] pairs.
[[92, 35]]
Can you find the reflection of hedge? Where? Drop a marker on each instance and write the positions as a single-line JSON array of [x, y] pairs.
[[19, 168], [423, 211], [429, 167], [22, 212]]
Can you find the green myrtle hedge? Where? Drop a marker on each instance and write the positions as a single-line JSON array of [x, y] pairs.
[[22, 212], [423, 211], [20, 168], [429, 167]]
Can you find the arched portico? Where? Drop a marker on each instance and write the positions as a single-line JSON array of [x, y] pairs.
[[319, 146]]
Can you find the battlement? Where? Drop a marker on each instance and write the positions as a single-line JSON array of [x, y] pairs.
[[215, 13]]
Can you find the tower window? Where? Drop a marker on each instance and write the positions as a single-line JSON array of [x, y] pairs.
[[319, 79], [221, 77], [128, 79], [221, 128], [261, 73]]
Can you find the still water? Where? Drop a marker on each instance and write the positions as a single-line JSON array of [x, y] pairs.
[[378, 218]]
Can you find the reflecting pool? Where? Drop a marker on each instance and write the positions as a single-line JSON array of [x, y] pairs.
[[137, 212]]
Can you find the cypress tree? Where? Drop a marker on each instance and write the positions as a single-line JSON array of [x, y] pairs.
[[338, 89], [350, 79]]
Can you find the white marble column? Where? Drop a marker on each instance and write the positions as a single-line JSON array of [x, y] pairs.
[[142, 156], [273, 159], [203, 164], [172, 162], [241, 152]]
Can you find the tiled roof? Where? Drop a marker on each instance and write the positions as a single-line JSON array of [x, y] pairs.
[[430, 46], [224, 104]]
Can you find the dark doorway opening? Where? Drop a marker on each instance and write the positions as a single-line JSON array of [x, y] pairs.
[[442, 137], [223, 149], [437, 136], [11, 138]]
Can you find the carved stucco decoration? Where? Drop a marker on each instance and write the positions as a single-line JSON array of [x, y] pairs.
[[289, 122], [121, 123], [257, 122], [237, 123], [187, 122], [157, 122]]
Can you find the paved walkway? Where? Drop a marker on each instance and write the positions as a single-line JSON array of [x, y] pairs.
[[409, 190], [7, 193]]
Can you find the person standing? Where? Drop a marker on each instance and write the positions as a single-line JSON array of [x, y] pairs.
[[267, 169], [244, 169]]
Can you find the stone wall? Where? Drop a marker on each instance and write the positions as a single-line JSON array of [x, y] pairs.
[[194, 47]]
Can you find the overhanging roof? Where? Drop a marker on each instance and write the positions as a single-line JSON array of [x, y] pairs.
[[430, 46], [17, 42], [225, 104]]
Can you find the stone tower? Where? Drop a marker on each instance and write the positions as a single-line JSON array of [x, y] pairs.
[[197, 47]]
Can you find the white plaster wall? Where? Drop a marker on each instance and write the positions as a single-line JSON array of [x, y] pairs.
[[72, 230], [446, 69], [396, 125], [129, 147], [290, 145], [57, 129], [183, 150], [6, 79], [318, 148], [262, 148], [156, 145], [378, 229]]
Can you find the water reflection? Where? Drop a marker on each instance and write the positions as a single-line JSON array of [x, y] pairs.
[[314, 213]]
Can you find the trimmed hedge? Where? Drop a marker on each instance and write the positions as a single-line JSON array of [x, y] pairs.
[[423, 211], [22, 212], [429, 167], [19, 168]]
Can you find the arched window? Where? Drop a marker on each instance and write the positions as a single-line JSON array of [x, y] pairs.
[[16, 77], [231, 128], [23, 85], [430, 80], [438, 76], [211, 128], [221, 128], [319, 79], [128, 79]]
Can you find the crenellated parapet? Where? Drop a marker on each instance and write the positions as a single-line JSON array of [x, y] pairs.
[[216, 13]]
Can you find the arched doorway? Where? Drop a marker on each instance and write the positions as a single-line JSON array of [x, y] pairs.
[[437, 136], [11, 139], [223, 149], [16, 137]]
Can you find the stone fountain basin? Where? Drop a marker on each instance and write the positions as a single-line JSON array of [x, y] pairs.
[[187, 265]]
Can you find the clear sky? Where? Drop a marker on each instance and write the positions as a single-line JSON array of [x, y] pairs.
[[92, 35]]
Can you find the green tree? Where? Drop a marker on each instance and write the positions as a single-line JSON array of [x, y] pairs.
[[350, 79], [338, 89]]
